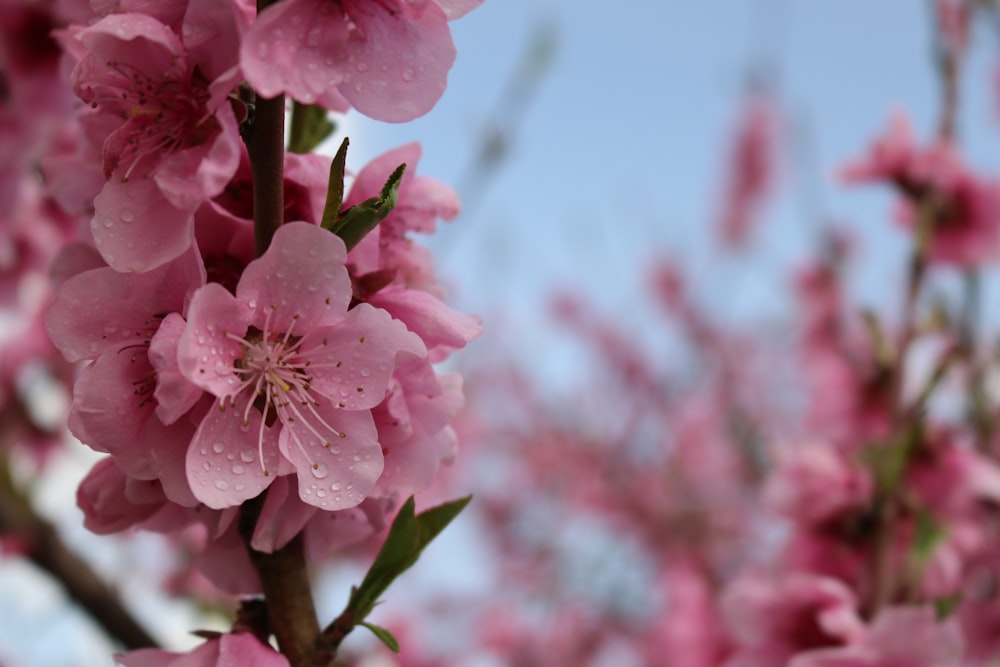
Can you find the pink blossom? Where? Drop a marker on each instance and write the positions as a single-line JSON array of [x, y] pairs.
[[816, 482], [402, 270], [773, 618], [388, 59], [933, 180], [179, 143], [296, 374], [750, 171], [899, 637], [227, 650], [114, 319]]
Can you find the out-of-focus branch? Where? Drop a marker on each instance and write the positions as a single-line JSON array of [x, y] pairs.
[[45, 549]]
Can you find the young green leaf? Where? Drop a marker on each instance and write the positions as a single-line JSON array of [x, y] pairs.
[[407, 537], [384, 636], [335, 187], [354, 224]]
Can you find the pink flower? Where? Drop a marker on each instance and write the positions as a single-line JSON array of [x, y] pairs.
[[774, 618], [966, 208], [817, 482], [296, 374], [179, 143], [412, 294], [389, 59], [227, 650], [120, 406], [750, 171], [899, 637]]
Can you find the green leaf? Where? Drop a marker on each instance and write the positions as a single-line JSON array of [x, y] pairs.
[[384, 636], [354, 224], [407, 537], [431, 522], [310, 125], [335, 187]]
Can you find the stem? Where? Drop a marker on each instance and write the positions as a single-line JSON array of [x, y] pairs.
[[287, 592], [283, 574], [82, 585], [266, 145]]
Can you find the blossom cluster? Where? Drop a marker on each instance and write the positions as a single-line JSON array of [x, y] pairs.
[[301, 376]]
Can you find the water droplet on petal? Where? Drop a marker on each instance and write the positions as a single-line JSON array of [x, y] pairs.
[[321, 493], [313, 37], [409, 74], [247, 456], [108, 223], [337, 486], [319, 470], [357, 457], [221, 485], [218, 447], [127, 215], [238, 469], [207, 466], [365, 372]]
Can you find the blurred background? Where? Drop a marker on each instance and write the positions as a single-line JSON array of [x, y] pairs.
[[590, 143]]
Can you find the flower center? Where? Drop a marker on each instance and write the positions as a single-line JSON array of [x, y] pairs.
[[275, 373], [162, 115]]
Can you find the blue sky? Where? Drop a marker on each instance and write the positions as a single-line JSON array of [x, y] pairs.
[[618, 158]]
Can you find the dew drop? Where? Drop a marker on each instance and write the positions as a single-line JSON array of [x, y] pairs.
[[365, 372], [321, 493], [357, 457], [337, 486], [127, 215], [238, 469], [207, 466], [221, 484], [240, 487], [218, 447], [247, 456], [319, 470], [409, 74], [108, 223], [313, 37]]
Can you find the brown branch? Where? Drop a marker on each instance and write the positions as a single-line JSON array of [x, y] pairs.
[[287, 591], [82, 585]]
